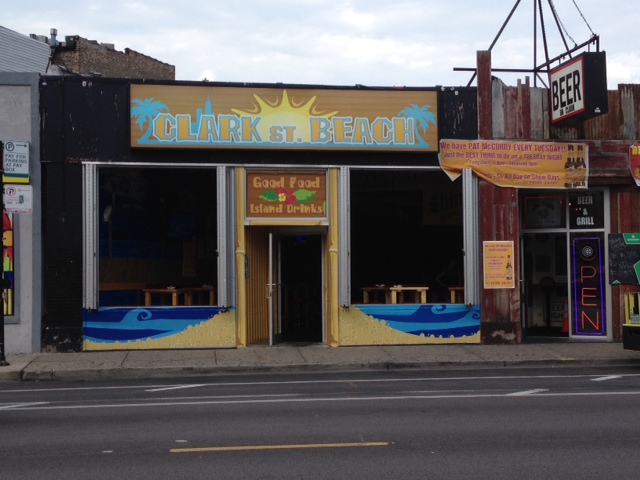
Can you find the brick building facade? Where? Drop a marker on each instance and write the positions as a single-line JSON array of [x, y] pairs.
[[88, 57]]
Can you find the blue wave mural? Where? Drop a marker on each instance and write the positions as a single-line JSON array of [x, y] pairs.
[[109, 325], [446, 320]]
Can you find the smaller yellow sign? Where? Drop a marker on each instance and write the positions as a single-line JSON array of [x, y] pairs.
[[290, 195], [498, 264], [518, 164], [634, 162]]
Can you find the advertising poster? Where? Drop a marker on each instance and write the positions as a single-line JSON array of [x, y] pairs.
[[7, 262], [634, 162], [498, 266], [518, 164]]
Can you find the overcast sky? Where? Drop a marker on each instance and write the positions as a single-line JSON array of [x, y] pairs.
[[332, 42]]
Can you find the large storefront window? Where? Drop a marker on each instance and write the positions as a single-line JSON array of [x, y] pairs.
[[157, 236], [406, 230]]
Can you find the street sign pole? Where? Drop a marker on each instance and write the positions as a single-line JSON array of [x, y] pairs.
[[3, 360]]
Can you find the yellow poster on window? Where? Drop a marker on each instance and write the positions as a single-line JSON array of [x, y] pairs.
[[498, 264], [518, 164], [634, 162]]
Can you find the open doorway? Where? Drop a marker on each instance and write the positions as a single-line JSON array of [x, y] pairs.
[[545, 287], [300, 280], [287, 264]]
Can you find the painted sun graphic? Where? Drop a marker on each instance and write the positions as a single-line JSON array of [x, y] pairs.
[[284, 120]]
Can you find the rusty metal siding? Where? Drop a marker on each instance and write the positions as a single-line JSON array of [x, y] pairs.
[[609, 125], [630, 105], [540, 114], [485, 100], [622, 122], [511, 112], [609, 136], [520, 112]]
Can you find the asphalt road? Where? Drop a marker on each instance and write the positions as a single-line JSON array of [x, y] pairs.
[[498, 424]]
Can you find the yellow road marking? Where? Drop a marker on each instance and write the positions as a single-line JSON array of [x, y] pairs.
[[278, 447]]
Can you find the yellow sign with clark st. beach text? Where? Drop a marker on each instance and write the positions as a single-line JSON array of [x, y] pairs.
[[518, 164], [202, 116]]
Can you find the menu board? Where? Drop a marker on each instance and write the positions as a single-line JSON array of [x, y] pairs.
[[624, 258]]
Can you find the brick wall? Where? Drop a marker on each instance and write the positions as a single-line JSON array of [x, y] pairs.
[[88, 57]]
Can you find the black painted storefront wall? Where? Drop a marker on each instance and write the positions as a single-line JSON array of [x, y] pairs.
[[86, 119]]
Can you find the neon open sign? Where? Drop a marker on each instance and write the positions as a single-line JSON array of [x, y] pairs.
[[588, 281]]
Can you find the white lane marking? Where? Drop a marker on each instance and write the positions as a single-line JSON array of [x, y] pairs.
[[174, 387], [20, 405], [527, 392], [79, 389], [228, 397], [609, 377], [310, 400], [305, 382]]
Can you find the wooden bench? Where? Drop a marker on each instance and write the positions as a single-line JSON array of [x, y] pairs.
[[370, 293], [187, 294], [457, 294], [398, 291]]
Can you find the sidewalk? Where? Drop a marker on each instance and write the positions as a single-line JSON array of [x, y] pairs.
[[164, 363]]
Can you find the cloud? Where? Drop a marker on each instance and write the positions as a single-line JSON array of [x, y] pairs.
[[338, 42]]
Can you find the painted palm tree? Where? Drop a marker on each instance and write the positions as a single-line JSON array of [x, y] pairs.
[[421, 118], [145, 111]]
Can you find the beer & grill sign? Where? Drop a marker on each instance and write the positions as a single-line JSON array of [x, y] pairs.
[[579, 87]]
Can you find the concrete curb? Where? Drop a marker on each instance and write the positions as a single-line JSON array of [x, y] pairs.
[[10, 375], [93, 374]]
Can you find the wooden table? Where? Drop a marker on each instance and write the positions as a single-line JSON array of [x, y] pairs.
[[186, 292], [368, 293], [457, 293], [397, 292], [174, 292], [190, 291]]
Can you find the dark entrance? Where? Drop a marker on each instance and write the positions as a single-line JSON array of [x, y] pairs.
[[545, 299], [301, 287]]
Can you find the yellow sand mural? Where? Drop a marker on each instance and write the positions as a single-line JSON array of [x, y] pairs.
[[219, 332], [358, 328]]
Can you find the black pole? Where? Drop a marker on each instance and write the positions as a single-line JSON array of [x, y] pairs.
[[3, 360]]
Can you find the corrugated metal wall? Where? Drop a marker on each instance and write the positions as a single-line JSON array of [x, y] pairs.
[[522, 112], [19, 53], [622, 122], [258, 269]]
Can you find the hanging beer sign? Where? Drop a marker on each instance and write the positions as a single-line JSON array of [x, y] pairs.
[[579, 87]]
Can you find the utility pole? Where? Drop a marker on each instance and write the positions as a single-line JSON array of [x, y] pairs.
[[3, 360]]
